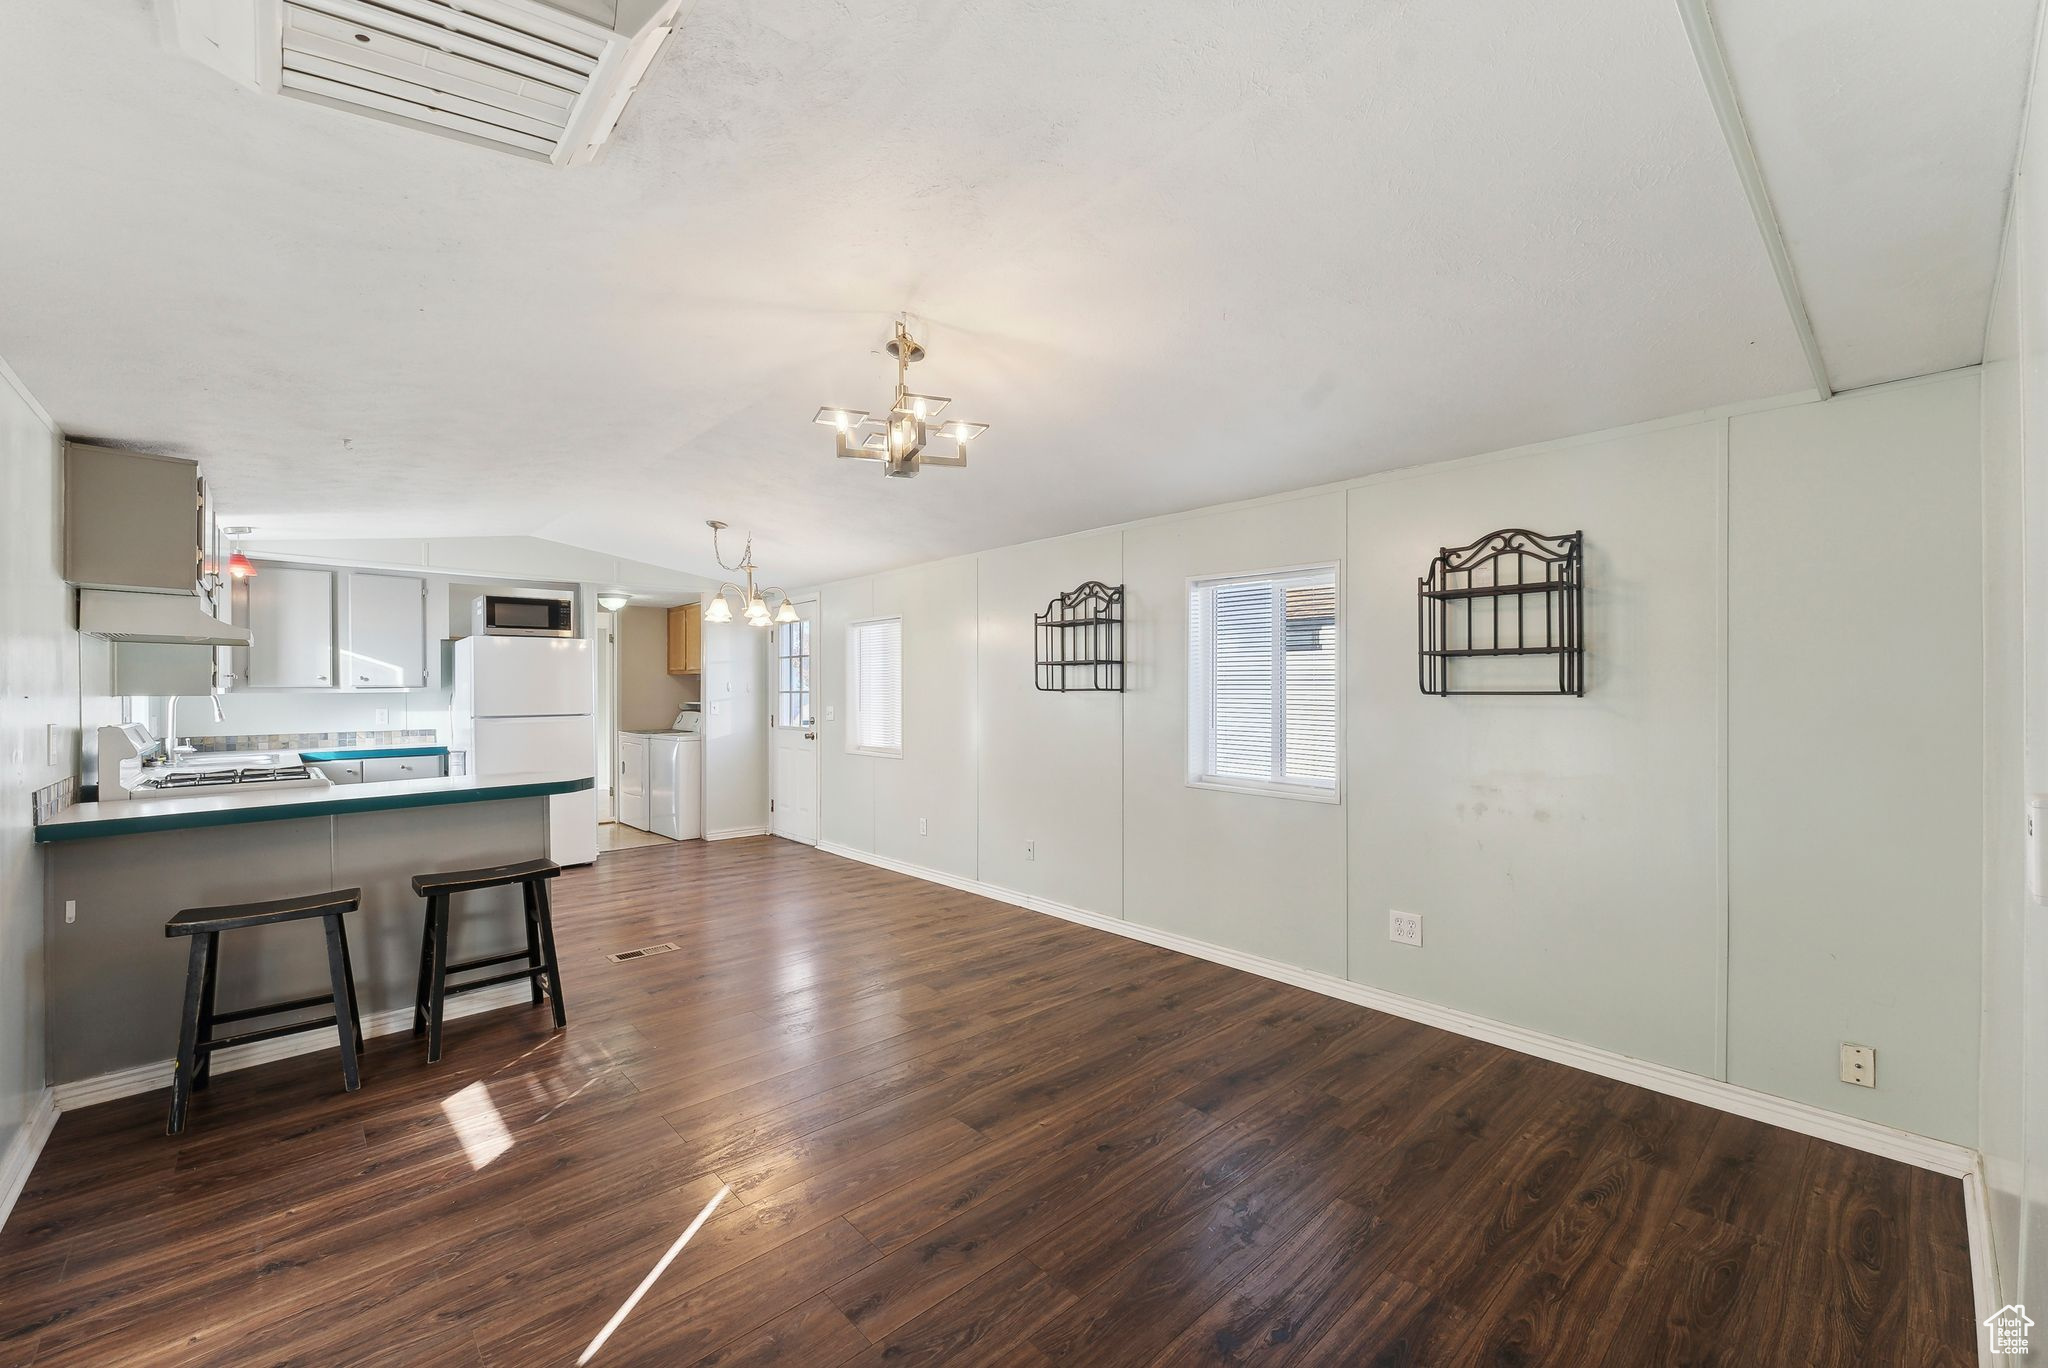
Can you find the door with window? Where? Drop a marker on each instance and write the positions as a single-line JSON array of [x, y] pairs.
[[793, 778]]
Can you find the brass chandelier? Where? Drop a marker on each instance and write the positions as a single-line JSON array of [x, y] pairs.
[[898, 439], [753, 602]]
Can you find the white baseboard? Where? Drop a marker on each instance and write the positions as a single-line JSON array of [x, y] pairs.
[[142, 1078], [733, 833], [23, 1150], [1941, 1156]]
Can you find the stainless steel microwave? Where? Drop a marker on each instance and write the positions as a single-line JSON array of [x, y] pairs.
[[503, 615]]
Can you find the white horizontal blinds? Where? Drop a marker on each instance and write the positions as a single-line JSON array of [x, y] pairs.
[[1245, 669], [1263, 679], [1309, 699], [878, 686]]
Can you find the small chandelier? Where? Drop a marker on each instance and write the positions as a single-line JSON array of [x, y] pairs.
[[753, 602], [898, 441]]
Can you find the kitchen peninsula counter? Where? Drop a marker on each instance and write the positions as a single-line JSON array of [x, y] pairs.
[[116, 872]]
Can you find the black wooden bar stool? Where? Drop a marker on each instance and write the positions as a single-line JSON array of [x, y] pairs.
[[539, 955], [196, 1042]]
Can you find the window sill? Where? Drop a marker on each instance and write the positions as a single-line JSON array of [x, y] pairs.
[[879, 754], [1295, 792]]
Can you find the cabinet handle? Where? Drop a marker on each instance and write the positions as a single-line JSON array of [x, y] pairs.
[[362, 679]]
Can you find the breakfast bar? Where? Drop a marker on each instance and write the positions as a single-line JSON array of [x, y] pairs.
[[117, 871]]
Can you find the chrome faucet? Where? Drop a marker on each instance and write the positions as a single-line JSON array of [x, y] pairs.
[[171, 724]]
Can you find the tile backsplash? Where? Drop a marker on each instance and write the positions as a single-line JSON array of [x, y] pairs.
[[329, 740], [52, 799]]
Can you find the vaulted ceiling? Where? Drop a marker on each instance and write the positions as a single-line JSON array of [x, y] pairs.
[[1175, 251]]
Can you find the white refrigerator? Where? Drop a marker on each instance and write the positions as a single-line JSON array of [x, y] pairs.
[[523, 704]]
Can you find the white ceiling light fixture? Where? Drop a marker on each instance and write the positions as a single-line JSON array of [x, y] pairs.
[[546, 79], [753, 602], [898, 439], [612, 600]]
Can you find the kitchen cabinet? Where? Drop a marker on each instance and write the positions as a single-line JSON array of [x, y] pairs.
[[392, 769], [686, 639], [291, 627], [341, 771], [632, 792], [387, 632], [133, 520]]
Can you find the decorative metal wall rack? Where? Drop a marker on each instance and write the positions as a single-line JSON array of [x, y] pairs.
[[1511, 593], [1081, 640]]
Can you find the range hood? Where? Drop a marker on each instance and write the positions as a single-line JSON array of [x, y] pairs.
[[122, 615]]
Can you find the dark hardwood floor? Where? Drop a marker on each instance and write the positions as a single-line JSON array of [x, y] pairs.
[[950, 1131]]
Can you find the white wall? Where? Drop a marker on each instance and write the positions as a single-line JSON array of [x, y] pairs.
[[1856, 748], [38, 691], [1259, 874], [1052, 771], [736, 706], [1556, 848], [1571, 857]]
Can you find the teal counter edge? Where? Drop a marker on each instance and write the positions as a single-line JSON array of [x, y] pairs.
[[327, 807], [369, 753]]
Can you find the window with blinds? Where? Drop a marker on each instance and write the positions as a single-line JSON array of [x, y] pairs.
[[874, 676], [1262, 682]]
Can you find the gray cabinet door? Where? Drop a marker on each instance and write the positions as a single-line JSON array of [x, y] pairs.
[[387, 632], [291, 629], [342, 771], [131, 520]]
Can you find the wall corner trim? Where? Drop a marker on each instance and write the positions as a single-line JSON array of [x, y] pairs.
[[14, 381], [25, 1149], [1987, 1290], [1939, 1156]]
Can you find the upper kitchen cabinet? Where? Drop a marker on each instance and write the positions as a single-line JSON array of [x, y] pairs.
[[291, 626], [133, 520], [686, 639], [387, 632]]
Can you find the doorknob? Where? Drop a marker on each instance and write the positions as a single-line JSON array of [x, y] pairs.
[[810, 736]]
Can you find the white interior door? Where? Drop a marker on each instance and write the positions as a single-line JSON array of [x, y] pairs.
[[793, 779]]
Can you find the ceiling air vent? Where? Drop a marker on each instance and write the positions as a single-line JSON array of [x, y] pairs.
[[543, 80]]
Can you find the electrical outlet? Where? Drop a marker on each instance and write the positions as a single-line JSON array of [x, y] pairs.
[[383, 717], [50, 744], [1404, 928], [1859, 1065], [1031, 850], [924, 827], [70, 911]]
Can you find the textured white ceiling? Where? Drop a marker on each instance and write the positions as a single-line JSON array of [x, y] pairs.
[[1887, 132], [1176, 251]]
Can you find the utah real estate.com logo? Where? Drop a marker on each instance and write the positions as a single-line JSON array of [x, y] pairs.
[[2008, 1326]]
